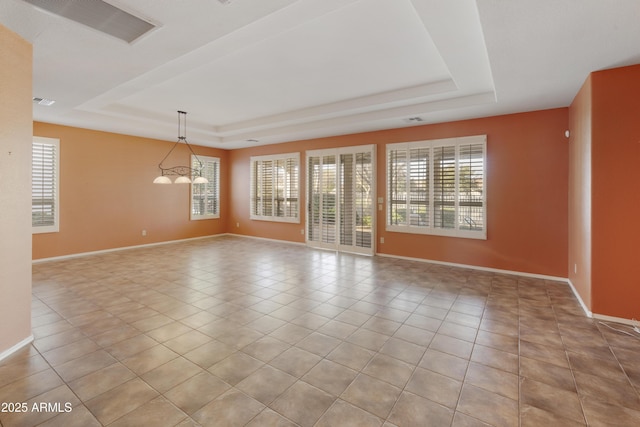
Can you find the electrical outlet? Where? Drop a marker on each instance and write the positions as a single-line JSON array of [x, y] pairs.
[[302, 231], [382, 240], [575, 268], [237, 225], [144, 233]]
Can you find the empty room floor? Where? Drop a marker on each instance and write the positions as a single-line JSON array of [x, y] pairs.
[[236, 331]]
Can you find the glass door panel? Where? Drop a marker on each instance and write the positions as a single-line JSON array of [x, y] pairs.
[[321, 217], [341, 196]]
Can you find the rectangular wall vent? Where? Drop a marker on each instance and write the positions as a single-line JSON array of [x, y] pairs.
[[98, 15], [44, 101]]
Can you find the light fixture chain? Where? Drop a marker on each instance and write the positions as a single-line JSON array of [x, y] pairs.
[[182, 171]]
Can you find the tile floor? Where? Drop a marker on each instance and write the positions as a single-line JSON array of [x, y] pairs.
[[233, 331]]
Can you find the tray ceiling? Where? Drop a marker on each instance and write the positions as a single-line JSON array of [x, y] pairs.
[[258, 72]]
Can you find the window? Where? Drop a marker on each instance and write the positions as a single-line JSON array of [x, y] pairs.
[[438, 187], [45, 178], [205, 198], [274, 188]]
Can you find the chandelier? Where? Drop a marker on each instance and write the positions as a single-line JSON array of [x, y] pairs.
[[183, 173]]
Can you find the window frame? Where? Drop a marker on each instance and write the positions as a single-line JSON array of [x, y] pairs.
[[55, 227], [215, 180], [253, 197], [430, 201]]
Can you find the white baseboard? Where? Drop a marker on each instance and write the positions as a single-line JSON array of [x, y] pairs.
[[124, 248], [16, 347], [451, 264], [604, 318], [476, 267], [579, 298], [267, 239]]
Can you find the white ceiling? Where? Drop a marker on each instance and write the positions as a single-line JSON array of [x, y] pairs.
[[283, 70]]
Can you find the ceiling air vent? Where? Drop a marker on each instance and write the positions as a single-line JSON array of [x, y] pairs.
[[98, 15], [414, 120], [44, 101]]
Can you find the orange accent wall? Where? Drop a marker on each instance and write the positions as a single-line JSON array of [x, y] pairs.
[[527, 186], [15, 190], [580, 193], [107, 196], [616, 192], [552, 204], [240, 175]]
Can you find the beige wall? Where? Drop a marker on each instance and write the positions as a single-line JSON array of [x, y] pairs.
[[107, 195], [580, 193], [15, 190], [527, 180]]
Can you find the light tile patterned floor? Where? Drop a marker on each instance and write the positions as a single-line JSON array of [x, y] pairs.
[[234, 331]]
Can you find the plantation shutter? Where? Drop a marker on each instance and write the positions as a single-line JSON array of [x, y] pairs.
[[45, 185], [419, 187], [256, 168], [444, 186], [363, 191], [471, 186], [438, 187], [274, 188], [313, 198], [347, 219], [266, 185], [329, 199], [397, 181], [205, 198], [291, 188]]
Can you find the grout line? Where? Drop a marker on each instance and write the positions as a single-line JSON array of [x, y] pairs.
[[367, 289]]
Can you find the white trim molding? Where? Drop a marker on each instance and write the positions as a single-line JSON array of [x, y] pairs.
[[604, 318], [5, 354], [588, 313], [579, 298], [476, 267], [124, 248], [267, 239]]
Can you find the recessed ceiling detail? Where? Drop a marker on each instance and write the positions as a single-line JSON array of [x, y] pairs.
[[263, 72], [98, 15]]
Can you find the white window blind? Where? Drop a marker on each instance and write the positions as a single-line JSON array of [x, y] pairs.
[[205, 198], [45, 185], [438, 187], [328, 185], [347, 199], [356, 199], [274, 187], [444, 186], [419, 188]]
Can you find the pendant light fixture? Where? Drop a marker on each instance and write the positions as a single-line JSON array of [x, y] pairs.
[[183, 173]]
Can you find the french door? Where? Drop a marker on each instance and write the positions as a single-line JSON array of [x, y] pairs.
[[341, 199]]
